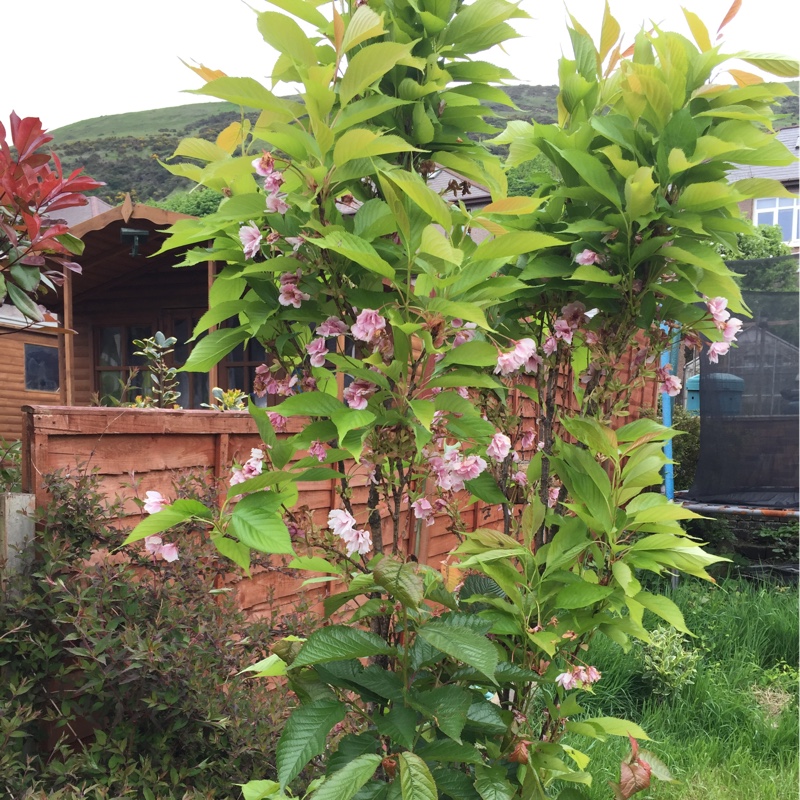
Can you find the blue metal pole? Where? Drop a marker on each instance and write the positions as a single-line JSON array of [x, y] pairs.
[[666, 419]]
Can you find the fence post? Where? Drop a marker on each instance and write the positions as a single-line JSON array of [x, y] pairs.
[[16, 532]]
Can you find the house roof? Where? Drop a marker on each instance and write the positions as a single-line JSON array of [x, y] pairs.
[[787, 174]]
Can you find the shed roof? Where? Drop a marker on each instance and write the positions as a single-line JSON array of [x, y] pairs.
[[787, 174]]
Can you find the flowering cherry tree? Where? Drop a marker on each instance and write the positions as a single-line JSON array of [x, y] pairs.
[[399, 341]]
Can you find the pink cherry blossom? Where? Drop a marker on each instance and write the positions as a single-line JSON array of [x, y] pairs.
[[590, 338], [318, 350], [285, 386], [523, 351], [562, 330], [464, 332], [520, 478], [587, 257], [277, 421], [317, 449], [717, 309], [672, 385], [332, 326], [717, 349], [237, 476], [573, 313], [276, 204], [358, 393], [154, 502], [731, 329], [499, 447], [295, 242], [340, 521], [153, 544], [552, 496], [169, 552], [290, 295], [273, 182], [250, 237], [592, 675], [368, 325], [550, 345], [470, 468], [343, 523], [357, 541], [156, 547], [566, 680], [264, 164], [528, 438], [423, 510]]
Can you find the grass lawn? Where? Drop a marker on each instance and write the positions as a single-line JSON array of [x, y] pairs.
[[731, 733]]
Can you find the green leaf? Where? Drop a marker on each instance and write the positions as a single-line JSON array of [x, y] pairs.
[[399, 724], [345, 783], [314, 564], [514, 244], [364, 24], [212, 348], [369, 64], [338, 643], [462, 644], [246, 92], [416, 781], [449, 705], [309, 404], [435, 243], [664, 608], [400, 580], [485, 488], [492, 784], [286, 36], [415, 188], [304, 736], [270, 667], [448, 750], [474, 354], [582, 595], [24, 303], [259, 527], [350, 419], [364, 143], [356, 249], [770, 62], [617, 727], [168, 517], [592, 170], [235, 551], [258, 790]]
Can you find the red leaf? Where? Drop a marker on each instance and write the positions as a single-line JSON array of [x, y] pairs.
[[27, 135]]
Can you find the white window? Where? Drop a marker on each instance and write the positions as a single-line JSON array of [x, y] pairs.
[[783, 211]]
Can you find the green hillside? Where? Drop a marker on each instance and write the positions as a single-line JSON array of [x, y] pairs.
[[123, 149]]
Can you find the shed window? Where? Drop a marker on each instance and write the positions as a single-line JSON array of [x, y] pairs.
[[783, 211], [41, 368]]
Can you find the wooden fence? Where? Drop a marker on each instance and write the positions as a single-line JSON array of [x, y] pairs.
[[137, 450]]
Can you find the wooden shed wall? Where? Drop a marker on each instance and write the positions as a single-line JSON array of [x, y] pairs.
[[13, 394]]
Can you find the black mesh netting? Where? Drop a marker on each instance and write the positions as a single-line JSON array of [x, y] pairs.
[[749, 411]]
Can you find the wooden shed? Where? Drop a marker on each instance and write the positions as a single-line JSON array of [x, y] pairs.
[[122, 294]]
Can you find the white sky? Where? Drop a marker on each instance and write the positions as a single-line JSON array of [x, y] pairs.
[[71, 60]]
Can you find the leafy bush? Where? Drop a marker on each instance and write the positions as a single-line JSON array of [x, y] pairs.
[[668, 664], [686, 448], [120, 673]]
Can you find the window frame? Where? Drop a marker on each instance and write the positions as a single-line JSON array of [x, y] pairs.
[[773, 206]]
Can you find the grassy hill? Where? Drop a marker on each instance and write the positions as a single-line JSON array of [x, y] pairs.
[[123, 149]]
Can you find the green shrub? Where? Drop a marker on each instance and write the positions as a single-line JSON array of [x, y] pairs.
[[120, 674], [685, 448], [668, 664]]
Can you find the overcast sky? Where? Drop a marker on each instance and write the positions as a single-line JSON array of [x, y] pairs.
[[71, 60]]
